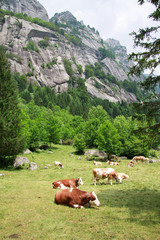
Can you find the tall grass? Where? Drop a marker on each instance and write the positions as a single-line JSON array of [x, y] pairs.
[[130, 210]]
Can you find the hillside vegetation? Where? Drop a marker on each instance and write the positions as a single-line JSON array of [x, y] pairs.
[[129, 210]]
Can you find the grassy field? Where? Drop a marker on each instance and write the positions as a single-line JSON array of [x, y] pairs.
[[130, 210]]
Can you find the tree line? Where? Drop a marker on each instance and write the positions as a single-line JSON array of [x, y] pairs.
[[26, 122]]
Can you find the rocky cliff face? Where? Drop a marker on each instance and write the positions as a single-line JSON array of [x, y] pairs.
[[30, 7], [39, 53]]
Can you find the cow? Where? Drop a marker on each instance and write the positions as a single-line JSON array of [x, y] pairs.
[[113, 163], [123, 175], [113, 157], [131, 164], [68, 183], [58, 164], [97, 163], [140, 158], [107, 174], [76, 198]]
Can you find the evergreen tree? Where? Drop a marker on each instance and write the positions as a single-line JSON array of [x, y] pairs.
[[10, 141], [149, 59]]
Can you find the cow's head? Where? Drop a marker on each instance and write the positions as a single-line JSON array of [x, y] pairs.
[[60, 164], [93, 200], [119, 178], [80, 182]]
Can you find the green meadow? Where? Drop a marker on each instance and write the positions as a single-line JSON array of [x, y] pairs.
[[130, 210]]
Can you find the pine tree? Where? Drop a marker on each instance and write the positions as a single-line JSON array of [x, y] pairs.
[[10, 141], [149, 59]]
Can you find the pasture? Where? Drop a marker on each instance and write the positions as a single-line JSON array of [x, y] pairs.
[[130, 210]]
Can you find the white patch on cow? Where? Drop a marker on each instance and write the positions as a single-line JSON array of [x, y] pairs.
[[62, 186], [77, 206], [96, 202], [70, 190], [80, 182], [109, 170]]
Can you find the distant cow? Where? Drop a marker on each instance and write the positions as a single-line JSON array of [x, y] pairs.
[[62, 184], [97, 163], [106, 174], [113, 157], [131, 164], [140, 158], [58, 164], [113, 163], [123, 175], [76, 198]]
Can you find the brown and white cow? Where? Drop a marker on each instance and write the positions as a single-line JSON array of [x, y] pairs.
[[97, 163], [113, 157], [113, 163], [131, 164], [140, 158], [76, 198], [106, 174], [68, 183], [58, 164], [123, 175]]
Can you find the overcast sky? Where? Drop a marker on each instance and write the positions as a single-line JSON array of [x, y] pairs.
[[112, 18]]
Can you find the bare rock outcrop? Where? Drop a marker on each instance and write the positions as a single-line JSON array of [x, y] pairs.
[[30, 7]]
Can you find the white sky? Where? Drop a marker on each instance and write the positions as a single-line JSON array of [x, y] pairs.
[[112, 18]]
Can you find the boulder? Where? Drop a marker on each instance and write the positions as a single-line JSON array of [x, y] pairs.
[[27, 151], [33, 166], [98, 153], [123, 158], [20, 161], [153, 161]]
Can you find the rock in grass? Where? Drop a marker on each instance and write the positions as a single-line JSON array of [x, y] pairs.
[[27, 151], [20, 161], [33, 166]]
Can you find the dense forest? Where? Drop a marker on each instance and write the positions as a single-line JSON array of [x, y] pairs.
[[33, 115], [42, 117]]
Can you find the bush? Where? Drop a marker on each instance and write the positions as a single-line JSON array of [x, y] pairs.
[[153, 153], [68, 142], [79, 143]]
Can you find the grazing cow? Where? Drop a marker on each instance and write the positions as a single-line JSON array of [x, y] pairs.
[[107, 174], [123, 175], [97, 163], [113, 163], [140, 158], [76, 198], [58, 164], [62, 184]]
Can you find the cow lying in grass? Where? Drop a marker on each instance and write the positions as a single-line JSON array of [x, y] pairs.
[[113, 163], [68, 183], [97, 163], [106, 174], [76, 198]]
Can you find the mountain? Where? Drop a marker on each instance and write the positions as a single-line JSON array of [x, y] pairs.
[[30, 7], [56, 53]]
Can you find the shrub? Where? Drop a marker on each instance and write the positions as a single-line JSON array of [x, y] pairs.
[[79, 143]]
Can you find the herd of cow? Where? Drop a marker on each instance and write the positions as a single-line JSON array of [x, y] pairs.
[[71, 196]]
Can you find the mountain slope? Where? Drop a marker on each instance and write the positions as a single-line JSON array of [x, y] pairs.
[[40, 52], [30, 7]]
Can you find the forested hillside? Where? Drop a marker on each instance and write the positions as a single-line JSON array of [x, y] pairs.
[[70, 87]]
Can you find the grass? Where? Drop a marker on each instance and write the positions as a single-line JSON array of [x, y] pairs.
[[130, 210]]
